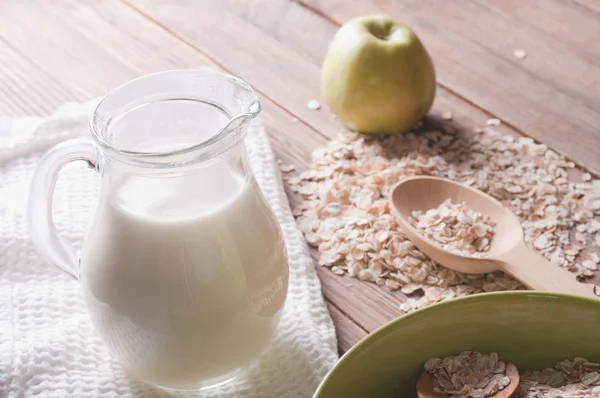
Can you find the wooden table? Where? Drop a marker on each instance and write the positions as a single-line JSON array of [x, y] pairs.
[[67, 50]]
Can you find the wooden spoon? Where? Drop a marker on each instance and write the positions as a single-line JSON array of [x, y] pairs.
[[425, 384], [508, 251]]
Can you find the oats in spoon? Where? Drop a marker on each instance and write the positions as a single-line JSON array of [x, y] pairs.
[[456, 228]]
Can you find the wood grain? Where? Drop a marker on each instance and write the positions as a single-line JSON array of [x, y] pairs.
[[347, 332], [26, 88], [283, 75], [285, 21], [557, 23], [552, 95], [587, 5]]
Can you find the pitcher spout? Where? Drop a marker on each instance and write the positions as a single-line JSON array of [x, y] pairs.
[[248, 107], [174, 118]]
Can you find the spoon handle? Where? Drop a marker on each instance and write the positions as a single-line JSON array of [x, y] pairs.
[[538, 273]]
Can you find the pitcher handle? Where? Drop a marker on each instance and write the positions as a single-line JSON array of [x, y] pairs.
[[39, 207]]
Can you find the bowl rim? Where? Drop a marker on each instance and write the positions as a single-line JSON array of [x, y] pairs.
[[366, 341]]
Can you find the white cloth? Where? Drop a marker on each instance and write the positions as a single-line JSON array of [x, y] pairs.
[[48, 347]]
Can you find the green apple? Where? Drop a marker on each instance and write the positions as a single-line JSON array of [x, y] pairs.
[[377, 76]]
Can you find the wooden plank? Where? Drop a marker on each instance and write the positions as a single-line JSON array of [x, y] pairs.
[[18, 75], [236, 45], [552, 95], [284, 21], [365, 304], [347, 332], [587, 5], [83, 63], [121, 31], [558, 23]]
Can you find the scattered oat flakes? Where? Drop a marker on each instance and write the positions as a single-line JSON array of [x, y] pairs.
[[595, 257], [345, 208], [286, 168], [586, 177], [493, 122], [447, 115], [456, 228], [520, 54], [313, 105], [469, 374]]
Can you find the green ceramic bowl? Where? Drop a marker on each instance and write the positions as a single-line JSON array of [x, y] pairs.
[[534, 330]]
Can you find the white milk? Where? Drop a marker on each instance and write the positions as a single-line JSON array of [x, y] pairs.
[[185, 277]]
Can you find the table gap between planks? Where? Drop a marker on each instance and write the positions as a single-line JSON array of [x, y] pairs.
[[72, 50]]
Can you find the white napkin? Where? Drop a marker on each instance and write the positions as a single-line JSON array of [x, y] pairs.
[[48, 347]]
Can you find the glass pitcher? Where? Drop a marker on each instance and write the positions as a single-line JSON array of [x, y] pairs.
[[183, 269]]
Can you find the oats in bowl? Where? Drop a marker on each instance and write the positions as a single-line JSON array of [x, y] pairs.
[[473, 374], [469, 374], [579, 378]]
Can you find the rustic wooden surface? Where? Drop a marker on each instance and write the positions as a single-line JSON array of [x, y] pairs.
[[68, 50]]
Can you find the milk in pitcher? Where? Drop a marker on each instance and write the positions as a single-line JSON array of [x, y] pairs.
[[187, 275]]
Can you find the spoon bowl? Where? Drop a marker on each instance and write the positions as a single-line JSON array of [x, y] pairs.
[[507, 252], [422, 193]]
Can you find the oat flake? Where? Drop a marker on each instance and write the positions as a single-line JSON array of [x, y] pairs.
[[456, 228], [313, 105], [286, 168], [447, 115], [520, 54]]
